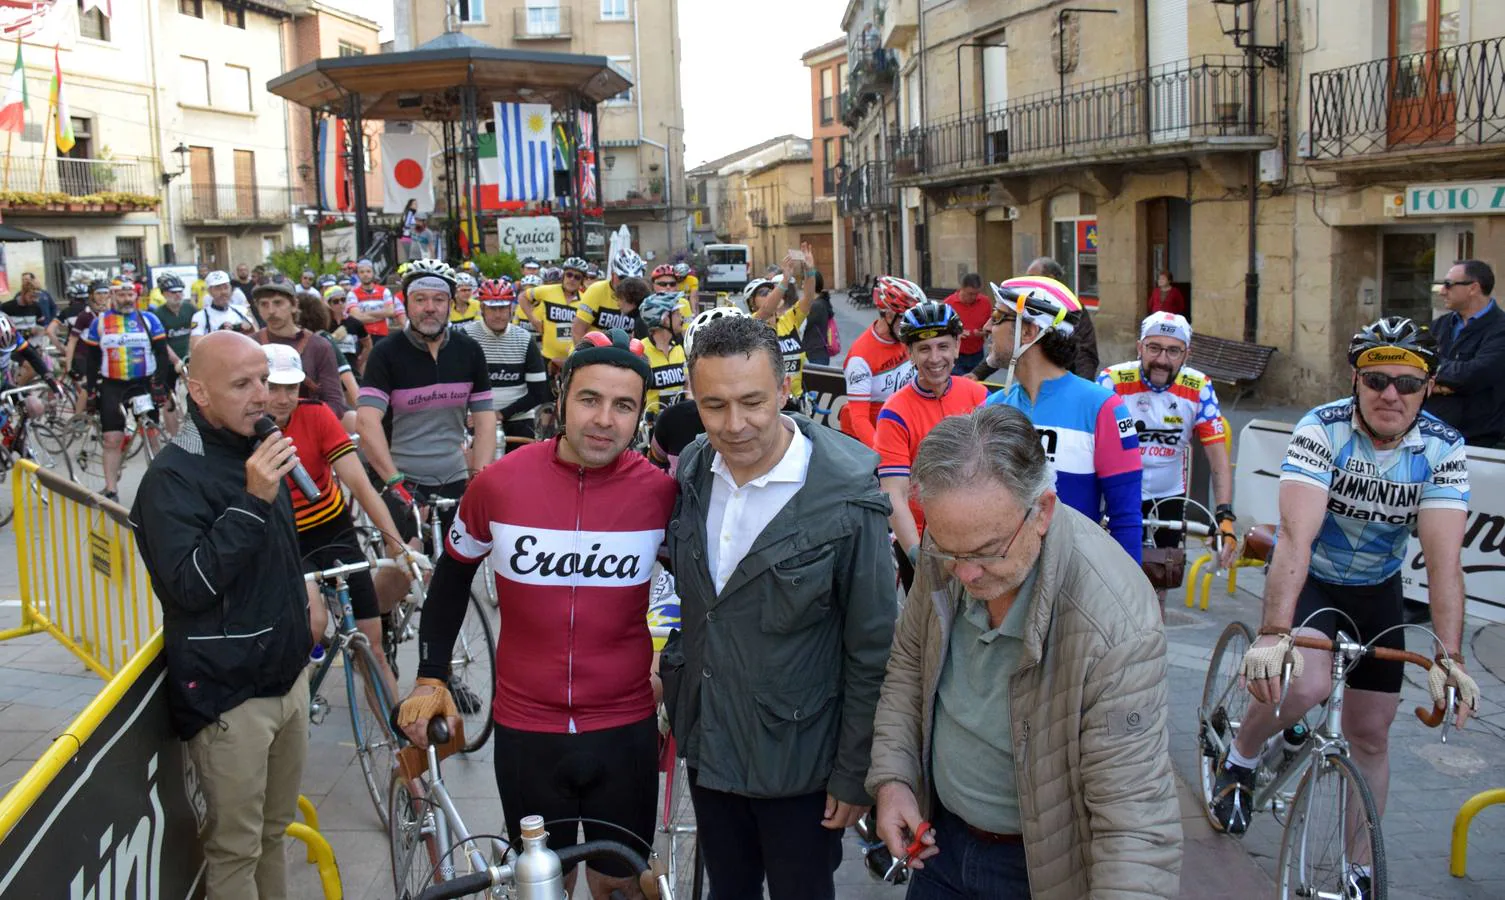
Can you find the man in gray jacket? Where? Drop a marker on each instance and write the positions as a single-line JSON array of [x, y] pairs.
[[1024, 711], [780, 550]]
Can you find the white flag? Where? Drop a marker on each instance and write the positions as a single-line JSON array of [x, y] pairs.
[[406, 172]]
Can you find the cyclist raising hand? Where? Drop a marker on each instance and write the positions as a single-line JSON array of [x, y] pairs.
[[571, 526]]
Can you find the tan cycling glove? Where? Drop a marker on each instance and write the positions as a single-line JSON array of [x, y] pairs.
[[1446, 671], [1261, 662], [426, 704]]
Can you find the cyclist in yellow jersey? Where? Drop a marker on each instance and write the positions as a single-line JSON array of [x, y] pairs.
[[666, 358], [464, 307], [551, 308], [612, 303], [689, 283], [765, 298], [666, 282]]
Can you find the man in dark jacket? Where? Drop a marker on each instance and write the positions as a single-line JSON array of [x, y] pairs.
[[215, 527], [779, 543], [1470, 336]]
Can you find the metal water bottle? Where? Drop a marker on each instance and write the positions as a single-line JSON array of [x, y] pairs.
[[537, 867], [1293, 739]]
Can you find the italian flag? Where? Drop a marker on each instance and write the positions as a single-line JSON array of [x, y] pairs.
[[13, 113], [60, 104], [489, 191]]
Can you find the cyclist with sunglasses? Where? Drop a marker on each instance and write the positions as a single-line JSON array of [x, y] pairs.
[[1360, 474]]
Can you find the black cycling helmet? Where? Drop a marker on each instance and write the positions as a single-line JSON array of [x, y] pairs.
[[167, 281], [78, 291], [928, 320], [1393, 340], [97, 285]]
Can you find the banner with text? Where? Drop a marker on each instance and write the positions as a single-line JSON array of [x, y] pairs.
[[525, 236], [1262, 448], [123, 819]]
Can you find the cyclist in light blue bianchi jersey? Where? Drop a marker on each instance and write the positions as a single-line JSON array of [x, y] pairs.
[[1360, 474]]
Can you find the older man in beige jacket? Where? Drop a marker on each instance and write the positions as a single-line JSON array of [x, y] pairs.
[[1024, 710]]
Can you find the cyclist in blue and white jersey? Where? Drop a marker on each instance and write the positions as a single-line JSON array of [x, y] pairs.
[[1360, 474]]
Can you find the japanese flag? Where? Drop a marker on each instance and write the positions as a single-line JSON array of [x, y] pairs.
[[407, 173]]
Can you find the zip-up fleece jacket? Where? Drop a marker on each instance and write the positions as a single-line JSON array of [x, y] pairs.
[[1097, 797], [226, 568]]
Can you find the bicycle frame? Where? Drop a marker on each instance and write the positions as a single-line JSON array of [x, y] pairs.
[[346, 635], [449, 828]]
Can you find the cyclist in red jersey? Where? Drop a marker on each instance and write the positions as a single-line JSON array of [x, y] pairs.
[[878, 365], [373, 304], [931, 332], [572, 527]]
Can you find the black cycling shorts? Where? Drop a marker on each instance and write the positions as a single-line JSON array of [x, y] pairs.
[[1167, 509], [114, 395], [1373, 608], [332, 544], [611, 775]]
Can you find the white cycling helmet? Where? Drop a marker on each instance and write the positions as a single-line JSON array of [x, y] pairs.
[[707, 316], [465, 279], [528, 281], [628, 264]]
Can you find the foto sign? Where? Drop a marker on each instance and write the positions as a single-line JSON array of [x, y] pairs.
[[535, 236], [1455, 198]]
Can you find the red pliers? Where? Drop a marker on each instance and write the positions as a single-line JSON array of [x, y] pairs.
[[910, 852]]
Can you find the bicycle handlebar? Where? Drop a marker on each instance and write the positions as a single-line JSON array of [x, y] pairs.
[[569, 857], [1428, 717], [337, 572]]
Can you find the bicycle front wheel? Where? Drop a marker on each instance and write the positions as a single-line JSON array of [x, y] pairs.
[[415, 849], [1333, 827], [1224, 702], [472, 672], [46, 449], [371, 723]]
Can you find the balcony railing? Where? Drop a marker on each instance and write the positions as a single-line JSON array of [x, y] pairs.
[[865, 189], [758, 216], [799, 213], [541, 23], [79, 177], [633, 193], [1196, 99], [240, 204], [869, 71], [1445, 97]]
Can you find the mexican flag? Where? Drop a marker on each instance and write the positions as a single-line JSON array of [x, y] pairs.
[[13, 113]]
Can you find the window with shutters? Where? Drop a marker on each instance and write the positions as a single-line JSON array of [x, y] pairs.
[[93, 23], [234, 17], [624, 65], [193, 8]]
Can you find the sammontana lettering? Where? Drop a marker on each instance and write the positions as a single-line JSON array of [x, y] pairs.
[[1376, 490]]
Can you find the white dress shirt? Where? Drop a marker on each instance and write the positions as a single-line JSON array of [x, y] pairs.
[[737, 515]]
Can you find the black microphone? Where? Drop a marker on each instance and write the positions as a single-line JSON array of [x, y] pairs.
[[266, 426]]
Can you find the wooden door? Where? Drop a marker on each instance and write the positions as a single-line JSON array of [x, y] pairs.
[[1423, 107], [245, 183], [821, 247], [201, 203]]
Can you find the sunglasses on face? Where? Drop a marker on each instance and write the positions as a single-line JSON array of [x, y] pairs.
[[665, 284], [1452, 284], [1404, 384]]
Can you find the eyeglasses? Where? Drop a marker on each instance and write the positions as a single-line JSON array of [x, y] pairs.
[[569, 274], [1163, 350], [1452, 284], [999, 318], [948, 559], [1404, 384], [665, 284]]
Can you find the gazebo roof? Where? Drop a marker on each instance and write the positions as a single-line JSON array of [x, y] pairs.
[[420, 84]]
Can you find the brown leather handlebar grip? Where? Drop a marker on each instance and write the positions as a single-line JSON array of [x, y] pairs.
[[1428, 717]]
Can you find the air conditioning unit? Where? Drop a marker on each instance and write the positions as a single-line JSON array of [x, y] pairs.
[[1395, 206]]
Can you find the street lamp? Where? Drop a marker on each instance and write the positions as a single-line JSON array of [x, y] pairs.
[[182, 151]]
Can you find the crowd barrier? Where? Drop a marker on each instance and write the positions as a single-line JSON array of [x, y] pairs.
[[81, 578]]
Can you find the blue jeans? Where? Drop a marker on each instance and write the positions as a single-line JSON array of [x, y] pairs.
[[968, 867]]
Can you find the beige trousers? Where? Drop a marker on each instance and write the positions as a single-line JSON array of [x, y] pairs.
[[250, 771]]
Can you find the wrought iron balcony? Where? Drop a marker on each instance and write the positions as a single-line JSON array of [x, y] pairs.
[[758, 216], [541, 23], [870, 71], [1201, 100], [79, 177], [865, 189], [640, 193], [235, 204], [799, 213], [1448, 97]]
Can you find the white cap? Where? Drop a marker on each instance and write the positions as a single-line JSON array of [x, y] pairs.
[[216, 278], [1165, 324], [284, 365]]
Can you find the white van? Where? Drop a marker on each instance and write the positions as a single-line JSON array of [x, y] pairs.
[[726, 267]]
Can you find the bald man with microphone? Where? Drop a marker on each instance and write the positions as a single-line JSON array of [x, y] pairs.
[[214, 523]]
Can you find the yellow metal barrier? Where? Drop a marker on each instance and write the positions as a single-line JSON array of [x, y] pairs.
[[20, 798], [81, 579], [1199, 583], [319, 851], [1458, 861]]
